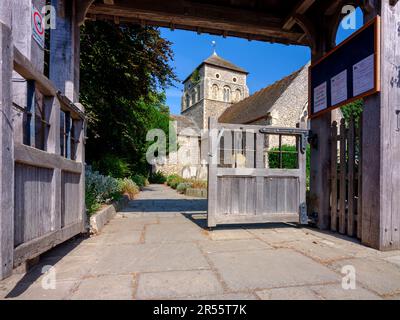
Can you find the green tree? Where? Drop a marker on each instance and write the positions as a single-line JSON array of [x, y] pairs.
[[124, 72]]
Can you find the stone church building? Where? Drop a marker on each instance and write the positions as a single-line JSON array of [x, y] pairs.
[[218, 88]]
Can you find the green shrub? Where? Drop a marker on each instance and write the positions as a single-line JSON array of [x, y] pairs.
[[157, 178], [111, 165], [174, 182], [140, 180], [289, 160], [129, 188], [172, 177], [100, 189], [183, 186], [198, 184]]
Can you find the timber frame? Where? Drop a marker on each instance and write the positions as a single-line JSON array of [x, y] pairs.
[[310, 23]]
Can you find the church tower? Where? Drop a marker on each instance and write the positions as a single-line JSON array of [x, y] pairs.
[[213, 87]]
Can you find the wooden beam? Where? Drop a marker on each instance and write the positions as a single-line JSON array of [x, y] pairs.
[[381, 142], [81, 9], [6, 143], [25, 68], [300, 9], [191, 16]]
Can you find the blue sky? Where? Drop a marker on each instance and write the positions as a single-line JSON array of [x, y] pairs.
[[266, 62]]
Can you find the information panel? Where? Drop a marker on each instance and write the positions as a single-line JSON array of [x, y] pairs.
[[347, 73]]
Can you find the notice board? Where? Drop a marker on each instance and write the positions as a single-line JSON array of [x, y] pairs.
[[349, 72]]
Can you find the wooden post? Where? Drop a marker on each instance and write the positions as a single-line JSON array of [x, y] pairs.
[[343, 174], [64, 50], [320, 158], [381, 141], [6, 142], [53, 146], [212, 171], [334, 201]]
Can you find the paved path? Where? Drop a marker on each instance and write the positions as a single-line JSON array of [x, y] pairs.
[[159, 248]]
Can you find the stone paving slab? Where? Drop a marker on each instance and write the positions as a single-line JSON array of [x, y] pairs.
[[318, 250], [160, 247], [374, 274], [35, 291], [322, 292], [268, 269], [230, 234], [109, 287], [175, 284], [125, 259], [170, 232], [233, 245]]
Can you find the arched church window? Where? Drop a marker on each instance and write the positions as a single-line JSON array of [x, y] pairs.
[[198, 94], [194, 96], [215, 92], [187, 101], [227, 94], [238, 95]]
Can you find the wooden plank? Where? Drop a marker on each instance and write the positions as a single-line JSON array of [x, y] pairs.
[[334, 185], [36, 247], [6, 143], [260, 165], [262, 218], [295, 173], [250, 148], [26, 69], [350, 188], [300, 9], [359, 177], [210, 18], [33, 202], [212, 172], [342, 185], [35, 157], [302, 181]]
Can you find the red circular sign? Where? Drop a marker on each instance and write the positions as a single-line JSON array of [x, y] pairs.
[[38, 22]]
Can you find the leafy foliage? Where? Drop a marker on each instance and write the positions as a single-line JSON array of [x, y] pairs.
[[157, 177], [289, 157], [102, 189], [195, 77], [140, 180], [128, 187], [124, 71], [183, 186], [113, 166], [353, 110]]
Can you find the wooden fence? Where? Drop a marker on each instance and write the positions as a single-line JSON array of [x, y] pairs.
[[346, 200], [48, 143]]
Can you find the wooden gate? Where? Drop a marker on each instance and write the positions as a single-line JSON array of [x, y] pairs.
[[346, 200], [256, 174]]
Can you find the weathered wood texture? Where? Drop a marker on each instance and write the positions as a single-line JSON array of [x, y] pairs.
[[345, 211], [242, 19], [381, 142], [6, 143], [42, 200], [64, 50], [32, 202], [243, 188]]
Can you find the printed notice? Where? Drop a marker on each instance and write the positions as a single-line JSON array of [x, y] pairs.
[[339, 88], [364, 75], [320, 98]]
